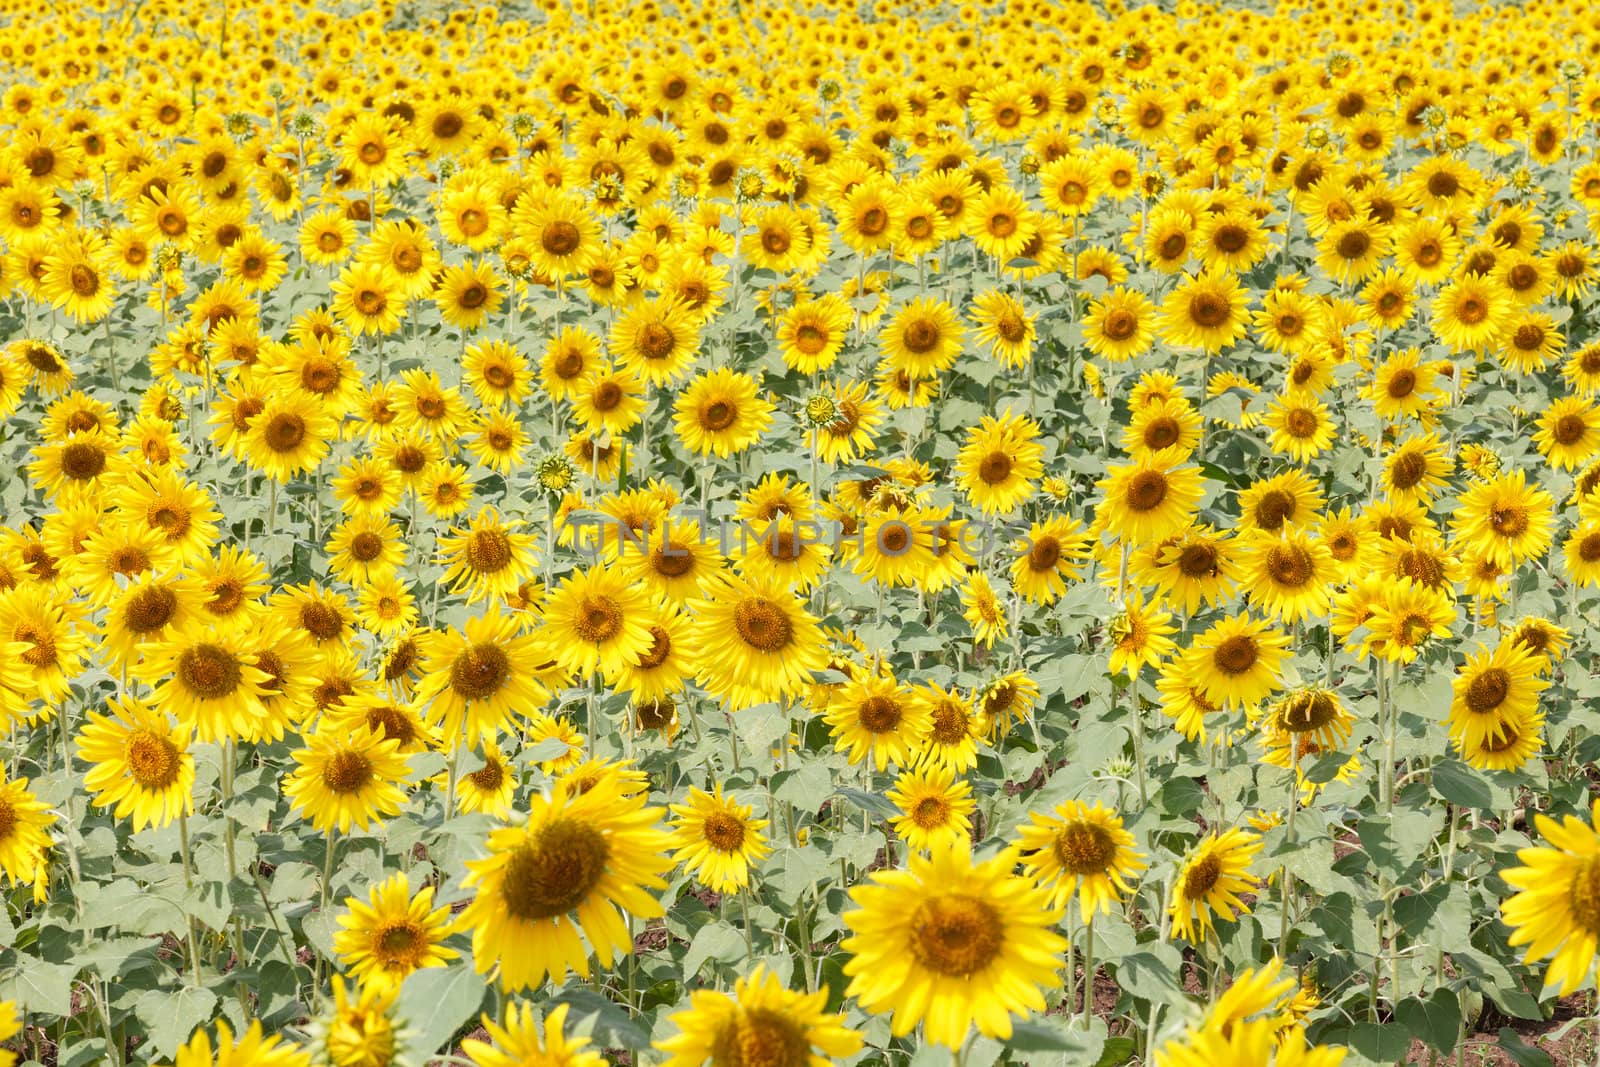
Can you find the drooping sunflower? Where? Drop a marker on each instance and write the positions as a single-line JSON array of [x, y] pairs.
[[983, 610], [346, 779], [1236, 662], [1211, 879], [576, 865], [1081, 850], [763, 1022], [721, 412], [392, 933], [754, 640], [952, 944], [1556, 911], [141, 763], [717, 840]]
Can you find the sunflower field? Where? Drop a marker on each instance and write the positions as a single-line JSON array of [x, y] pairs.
[[776, 534]]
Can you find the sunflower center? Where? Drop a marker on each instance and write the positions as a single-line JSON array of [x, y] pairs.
[[673, 562], [598, 619], [489, 777], [1236, 655], [1198, 561], [950, 723], [1230, 238], [1120, 325], [366, 546], [660, 648], [285, 432], [208, 671], [1290, 565], [399, 942], [1408, 469], [1208, 310], [1584, 896], [153, 760], [1083, 848], [723, 832], [1402, 384], [84, 281], [921, 337], [718, 415], [1589, 548], [1147, 490], [1201, 877], [879, 714], [930, 812], [82, 461], [320, 621], [1274, 509], [1308, 712], [1174, 246], [760, 1037], [1421, 567], [655, 341], [151, 608], [488, 551], [1569, 429], [555, 871], [956, 935], [1161, 433], [1044, 554], [43, 650], [478, 673], [1472, 310], [762, 624], [1508, 520], [1354, 245], [1301, 423], [1488, 691], [473, 296]]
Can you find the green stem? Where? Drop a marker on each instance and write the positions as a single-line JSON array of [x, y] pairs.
[[188, 883], [1088, 972]]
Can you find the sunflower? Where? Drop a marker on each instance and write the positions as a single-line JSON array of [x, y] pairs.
[[656, 338], [367, 300], [474, 680], [1288, 575], [1211, 879], [1083, 850], [1237, 661], [754, 639], [717, 840], [999, 461], [290, 435], [392, 933], [327, 238], [522, 1040], [207, 680], [1556, 911], [923, 338], [1493, 687], [253, 1048], [1471, 313], [347, 779], [1189, 569], [1046, 559], [1406, 616], [1505, 519], [1518, 742], [1206, 311], [141, 763], [596, 620], [874, 716], [983, 610], [1164, 431], [811, 333], [24, 830], [1006, 701], [1256, 1042], [1301, 428], [949, 943], [934, 806], [490, 557], [1138, 634], [1284, 500], [1119, 325], [578, 864], [762, 1023], [721, 412], [468, 293], [1147, 501]]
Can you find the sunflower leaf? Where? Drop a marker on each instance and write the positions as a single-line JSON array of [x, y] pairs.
[[439, 1001]]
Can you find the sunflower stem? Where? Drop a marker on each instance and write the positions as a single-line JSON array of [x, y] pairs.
[[451, 780], [188, 883], [749, 937], [1088, 972], [1288, 839]]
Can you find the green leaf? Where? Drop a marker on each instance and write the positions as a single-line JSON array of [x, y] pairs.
[[173, 1016], [871, 802], [606, 1022], [1380, 1043], [715, 941], [437, 1001], [1054, 1033], [1461, 785], [40, 987], [1524, 1054], [1435, 1020]]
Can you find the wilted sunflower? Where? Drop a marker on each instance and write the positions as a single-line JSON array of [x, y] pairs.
[[578, 864], [949, 943], [1081, 850], [717, 840]]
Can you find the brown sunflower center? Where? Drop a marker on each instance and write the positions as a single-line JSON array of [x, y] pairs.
[[555, 871], [149, 609], [762, 624], [479, 672], [1236, 655], [723, 832], [1488, 690], [879, 714], [208, 671], [1147, 490], [598, 619], [488, 551], [1290, 565], [1083, 848], [956, 935], [1201, 876]]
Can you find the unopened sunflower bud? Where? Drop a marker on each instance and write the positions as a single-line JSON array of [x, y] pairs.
[[1317, 137], [829, 90], [821, 411], [556, 474]]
